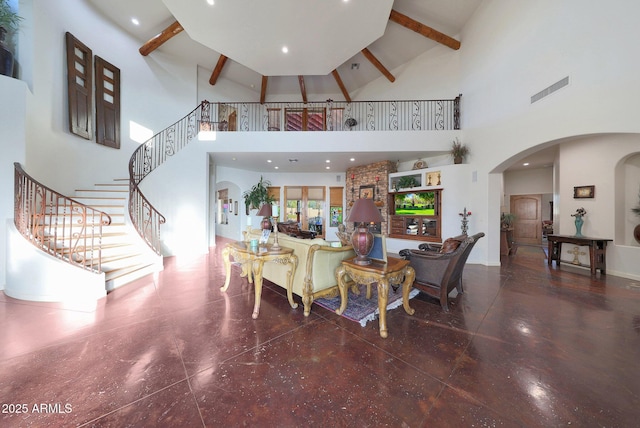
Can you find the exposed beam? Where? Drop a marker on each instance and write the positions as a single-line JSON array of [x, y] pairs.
[[216, 71], [367, 53], [263, 89], [303, 91], [341, 85], [424, 30], [157, 41]]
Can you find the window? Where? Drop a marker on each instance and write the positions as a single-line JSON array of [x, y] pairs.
[[416, 215], [306, 206]]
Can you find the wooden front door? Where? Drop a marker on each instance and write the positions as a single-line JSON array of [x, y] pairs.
[[527, 227]]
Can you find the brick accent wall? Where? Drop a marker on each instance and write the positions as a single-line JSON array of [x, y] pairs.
[[366, 176]]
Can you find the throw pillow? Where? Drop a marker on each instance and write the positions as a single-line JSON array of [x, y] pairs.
[[449, 245]]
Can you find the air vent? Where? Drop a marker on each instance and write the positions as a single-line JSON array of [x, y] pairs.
[[551, 89]]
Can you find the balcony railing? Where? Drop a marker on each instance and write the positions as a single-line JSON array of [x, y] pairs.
[[417, 115], [421, 115], [61, 226]]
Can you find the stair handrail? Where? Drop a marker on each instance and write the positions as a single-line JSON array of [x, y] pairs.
[[145, 218], [57, 224]]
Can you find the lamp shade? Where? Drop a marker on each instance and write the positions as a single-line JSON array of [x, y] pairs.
[[265, 212], [364, 211]]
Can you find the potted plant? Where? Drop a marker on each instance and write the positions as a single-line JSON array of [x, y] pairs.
[[258, 195], [9, 22], [458, 151], [506, 220], [407, 182]]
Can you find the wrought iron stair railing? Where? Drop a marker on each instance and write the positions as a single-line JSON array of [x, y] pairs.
[[57, 224]]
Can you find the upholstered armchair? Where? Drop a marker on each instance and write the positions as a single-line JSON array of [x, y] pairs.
[[439, 267]]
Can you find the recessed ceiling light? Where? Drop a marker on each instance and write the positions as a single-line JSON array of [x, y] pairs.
[[269, 160], [285, 49], [210, 2], [327, 167], [234, 159], [328, 161], [352, 160], [135, 21], [276, 167], [525, 164]]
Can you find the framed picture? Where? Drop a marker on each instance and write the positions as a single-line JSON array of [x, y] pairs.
[[265, 236], [367, 192], [336, 216], [582, 192], [433, 179]]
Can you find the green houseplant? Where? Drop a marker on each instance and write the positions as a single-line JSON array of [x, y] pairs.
[[506, 220], [258, 195], [407, 182], [458, 151], [9, 22]]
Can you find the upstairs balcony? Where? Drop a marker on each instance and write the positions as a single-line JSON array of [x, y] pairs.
[[415, 115]]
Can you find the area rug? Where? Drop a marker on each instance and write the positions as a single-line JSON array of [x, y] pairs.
[[362, 310]]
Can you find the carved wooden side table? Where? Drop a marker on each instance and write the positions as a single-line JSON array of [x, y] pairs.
[[252, 260], [395, 271]]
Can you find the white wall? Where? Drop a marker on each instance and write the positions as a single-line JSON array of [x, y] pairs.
[[512, 50], [155, 92], [12, 146]]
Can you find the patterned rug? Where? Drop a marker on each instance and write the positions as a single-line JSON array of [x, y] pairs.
[[361, 310]]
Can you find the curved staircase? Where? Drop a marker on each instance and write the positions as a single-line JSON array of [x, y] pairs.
[[125, 257]]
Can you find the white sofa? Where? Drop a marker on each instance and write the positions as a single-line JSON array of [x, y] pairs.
[[315, 274]]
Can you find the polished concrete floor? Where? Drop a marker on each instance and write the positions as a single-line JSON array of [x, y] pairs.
[[526, 345]]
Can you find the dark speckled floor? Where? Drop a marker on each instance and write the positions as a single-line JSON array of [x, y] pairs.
[[526, 345]]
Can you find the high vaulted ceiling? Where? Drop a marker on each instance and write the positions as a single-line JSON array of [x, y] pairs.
[[353, 41]]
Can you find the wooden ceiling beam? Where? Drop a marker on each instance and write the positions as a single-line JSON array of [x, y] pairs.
[[377, 64], [263, 89], [341, 85], [424, 30], [159, 39], [216, 71], [303, 91]]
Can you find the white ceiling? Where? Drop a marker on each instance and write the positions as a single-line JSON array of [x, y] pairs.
[[251, 33]]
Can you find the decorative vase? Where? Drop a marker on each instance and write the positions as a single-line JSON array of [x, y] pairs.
[[579, 223], [636, 233], [457, 160]]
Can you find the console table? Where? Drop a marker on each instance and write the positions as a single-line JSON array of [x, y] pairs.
[[597, 250], [252, 260], [394, 271]]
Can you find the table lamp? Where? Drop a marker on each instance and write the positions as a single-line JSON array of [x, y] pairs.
[[364, 211], [265, 212]]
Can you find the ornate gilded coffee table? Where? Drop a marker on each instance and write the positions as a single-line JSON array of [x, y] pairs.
[[395, 271], [252, 260]]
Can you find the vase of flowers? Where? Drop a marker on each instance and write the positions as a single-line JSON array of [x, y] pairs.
[[580, 212], [458, 151]]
